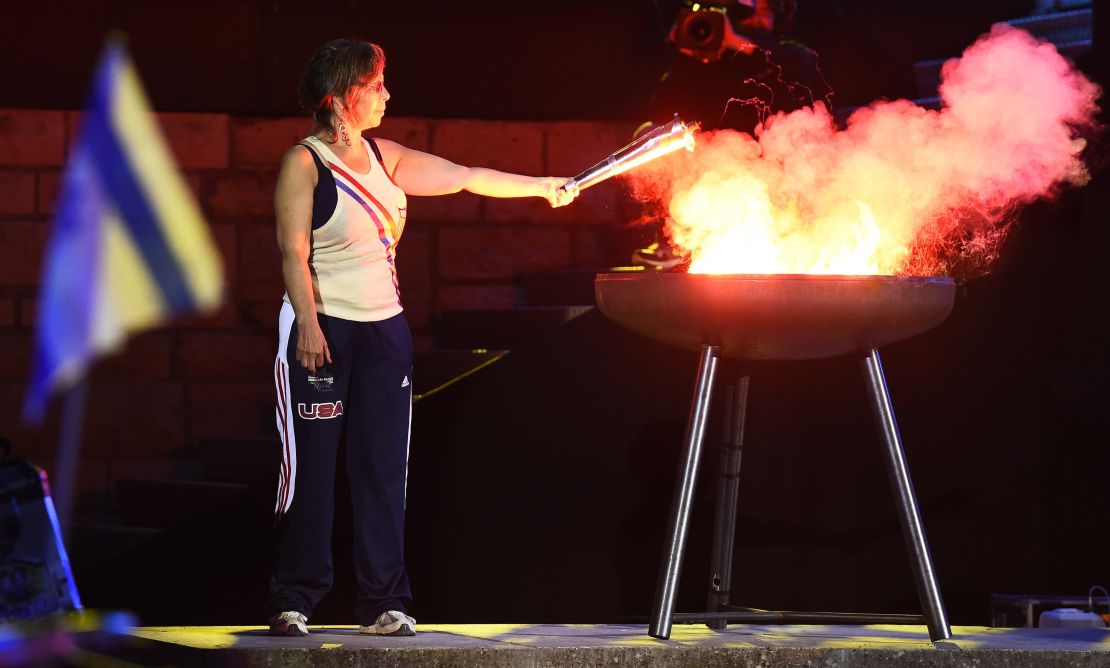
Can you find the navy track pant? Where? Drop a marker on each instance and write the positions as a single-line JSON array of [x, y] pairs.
[[366, 389]]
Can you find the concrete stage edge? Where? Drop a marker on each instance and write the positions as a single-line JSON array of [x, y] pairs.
[[626, 644]]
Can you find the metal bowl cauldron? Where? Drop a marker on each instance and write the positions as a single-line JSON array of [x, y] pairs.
[[778, 317], [775, 316]]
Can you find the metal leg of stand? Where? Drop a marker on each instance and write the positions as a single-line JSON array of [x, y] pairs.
[[667, 587], [912, 528], [728, 490]]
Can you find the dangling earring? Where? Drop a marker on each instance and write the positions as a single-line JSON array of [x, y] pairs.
[[343, 132]]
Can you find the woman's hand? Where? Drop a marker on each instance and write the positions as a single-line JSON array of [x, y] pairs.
[[312, 347], [554, 191]]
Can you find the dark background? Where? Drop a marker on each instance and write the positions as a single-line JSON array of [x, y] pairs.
[[493, 59], [539, 489]]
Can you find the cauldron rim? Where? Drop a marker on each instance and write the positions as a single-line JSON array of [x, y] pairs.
[[775, 316]]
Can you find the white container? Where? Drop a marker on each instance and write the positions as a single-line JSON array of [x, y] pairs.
[[1070, 618]]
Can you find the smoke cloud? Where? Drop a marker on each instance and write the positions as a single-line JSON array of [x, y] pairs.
[[901, 189]]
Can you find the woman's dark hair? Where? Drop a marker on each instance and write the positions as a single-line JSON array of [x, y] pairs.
[[334, 71]]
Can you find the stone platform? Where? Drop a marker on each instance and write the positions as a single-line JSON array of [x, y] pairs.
[[629, 645]]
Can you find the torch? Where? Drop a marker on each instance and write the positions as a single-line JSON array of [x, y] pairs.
[[657, 143]]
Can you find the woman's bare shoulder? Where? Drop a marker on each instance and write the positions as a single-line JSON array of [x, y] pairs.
[[389, 147], [297, 155], [392, 152], [297, 166]]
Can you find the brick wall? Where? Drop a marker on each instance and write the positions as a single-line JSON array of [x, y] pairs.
[[209, 377]]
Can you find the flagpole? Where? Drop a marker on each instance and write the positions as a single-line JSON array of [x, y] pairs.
[[64, 483]]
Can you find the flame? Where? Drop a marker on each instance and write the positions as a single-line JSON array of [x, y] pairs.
[[901, 189], [764, 240]]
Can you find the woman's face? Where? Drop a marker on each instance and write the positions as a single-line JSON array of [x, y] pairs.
[[367, 105]]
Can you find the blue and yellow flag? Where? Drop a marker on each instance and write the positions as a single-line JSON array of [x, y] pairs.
[[129, 247]]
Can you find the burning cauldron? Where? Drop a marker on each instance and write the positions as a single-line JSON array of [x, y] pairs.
[[777, 317]]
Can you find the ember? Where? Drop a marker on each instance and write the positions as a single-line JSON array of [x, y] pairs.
[[901, 190]]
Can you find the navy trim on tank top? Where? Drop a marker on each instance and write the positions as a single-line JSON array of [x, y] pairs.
[[324, 197], [377, 153]]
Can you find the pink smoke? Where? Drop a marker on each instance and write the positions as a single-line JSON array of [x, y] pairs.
[[901, 189]]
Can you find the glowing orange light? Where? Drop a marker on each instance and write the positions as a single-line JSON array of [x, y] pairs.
[[901, 189]]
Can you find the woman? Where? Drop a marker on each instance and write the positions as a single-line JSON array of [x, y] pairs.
[[345, 351]]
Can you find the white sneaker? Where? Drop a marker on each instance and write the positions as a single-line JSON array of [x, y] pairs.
[[289, 623], [392, 623]]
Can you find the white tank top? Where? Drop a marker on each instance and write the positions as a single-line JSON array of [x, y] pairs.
[[352, 260]]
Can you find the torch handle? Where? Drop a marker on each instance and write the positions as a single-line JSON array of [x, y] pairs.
[[666, 139], [595, 174]]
